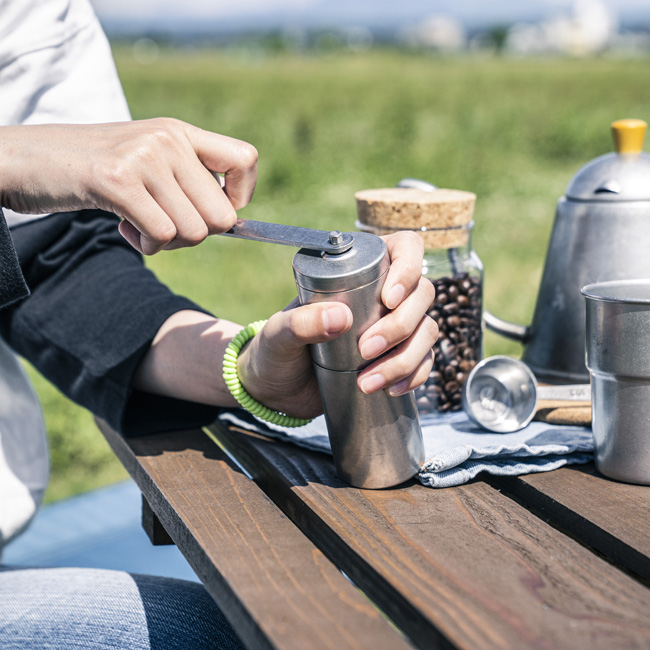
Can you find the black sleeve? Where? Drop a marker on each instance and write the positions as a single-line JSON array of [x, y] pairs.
[[12, 282], [93, 311]]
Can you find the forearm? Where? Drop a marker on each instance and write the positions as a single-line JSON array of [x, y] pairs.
[[184, 360], [92, 315], [158, 175]]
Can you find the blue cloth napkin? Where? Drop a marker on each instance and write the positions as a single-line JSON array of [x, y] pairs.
[[456, 450]]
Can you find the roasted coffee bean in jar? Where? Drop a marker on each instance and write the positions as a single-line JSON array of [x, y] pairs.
[[443, 218]]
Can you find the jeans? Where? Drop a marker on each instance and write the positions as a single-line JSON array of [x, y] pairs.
[[92, 609]]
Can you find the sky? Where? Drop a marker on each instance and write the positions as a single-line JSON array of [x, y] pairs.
[[372, 13]]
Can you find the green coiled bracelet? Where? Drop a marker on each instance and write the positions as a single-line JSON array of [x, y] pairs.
[[231, 378]]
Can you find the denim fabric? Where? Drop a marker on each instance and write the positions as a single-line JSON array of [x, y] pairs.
[[93, 609], [456, 450]]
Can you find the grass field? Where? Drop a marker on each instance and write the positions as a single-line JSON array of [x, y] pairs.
[[513, 131]]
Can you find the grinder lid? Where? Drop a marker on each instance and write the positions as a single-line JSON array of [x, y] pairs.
[[363, 263], [620, 176]]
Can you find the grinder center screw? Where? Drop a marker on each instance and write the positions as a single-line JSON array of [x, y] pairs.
[[336, 237]]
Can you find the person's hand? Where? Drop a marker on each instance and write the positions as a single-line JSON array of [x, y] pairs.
[[276, 368], [159, 175]]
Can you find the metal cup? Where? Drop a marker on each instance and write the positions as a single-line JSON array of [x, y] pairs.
[[618, 360]]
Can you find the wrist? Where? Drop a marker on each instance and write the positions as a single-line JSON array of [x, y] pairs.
[[232, 379], [249, 373]]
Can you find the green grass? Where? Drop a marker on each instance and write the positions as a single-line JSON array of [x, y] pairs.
[[513, 131]]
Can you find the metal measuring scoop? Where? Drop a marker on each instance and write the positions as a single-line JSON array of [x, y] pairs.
[[500, 394]]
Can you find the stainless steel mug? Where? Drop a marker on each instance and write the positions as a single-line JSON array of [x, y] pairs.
[[618, 359], [376, 439]]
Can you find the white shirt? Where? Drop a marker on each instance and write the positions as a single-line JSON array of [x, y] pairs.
[[55, 67]]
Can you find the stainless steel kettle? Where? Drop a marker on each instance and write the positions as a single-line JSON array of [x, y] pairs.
[[601, 232]]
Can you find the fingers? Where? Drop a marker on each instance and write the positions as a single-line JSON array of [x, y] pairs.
[[398, 324], [406, 250], [401, 370], [146, 226], [160, 177], [406, 366], [406, 334], [236, 159], [276, 367]]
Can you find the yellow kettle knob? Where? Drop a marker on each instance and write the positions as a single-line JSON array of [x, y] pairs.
[[628, 135]]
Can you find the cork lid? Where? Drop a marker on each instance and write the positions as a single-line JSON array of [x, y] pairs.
[[441, 216]]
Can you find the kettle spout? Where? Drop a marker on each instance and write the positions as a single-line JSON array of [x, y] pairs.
[[513, 331]]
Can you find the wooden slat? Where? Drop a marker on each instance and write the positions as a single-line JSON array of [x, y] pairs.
[[277, 589], [465, 567], [611, 517], [156, 532]]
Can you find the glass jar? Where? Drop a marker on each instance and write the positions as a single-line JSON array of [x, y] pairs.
[[443, 218], [457, 275]]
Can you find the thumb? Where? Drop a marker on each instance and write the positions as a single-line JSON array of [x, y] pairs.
[[296, 327]]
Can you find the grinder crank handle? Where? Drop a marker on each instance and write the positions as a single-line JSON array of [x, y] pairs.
[[333, 242]]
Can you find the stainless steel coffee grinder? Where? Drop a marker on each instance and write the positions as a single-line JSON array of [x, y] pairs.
[[601, 232], [376, 439]]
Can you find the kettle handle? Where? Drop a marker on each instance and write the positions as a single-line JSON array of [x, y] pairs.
[[512, 331], [417, 184]]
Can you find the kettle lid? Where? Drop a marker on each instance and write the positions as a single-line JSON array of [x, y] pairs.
[[620, 176]]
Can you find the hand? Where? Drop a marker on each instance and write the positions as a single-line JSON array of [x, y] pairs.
[[276, 368], [158, 175]]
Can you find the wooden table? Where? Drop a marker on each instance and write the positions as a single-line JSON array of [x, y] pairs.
[[297, 559]]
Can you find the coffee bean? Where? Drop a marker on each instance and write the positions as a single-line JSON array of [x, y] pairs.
[[423, 405], [457, 311], [450, 309], [465, 285], [451, 387], [448, 350], [433, 392]]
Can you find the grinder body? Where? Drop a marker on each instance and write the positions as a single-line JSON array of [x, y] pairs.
[[376, 439]]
